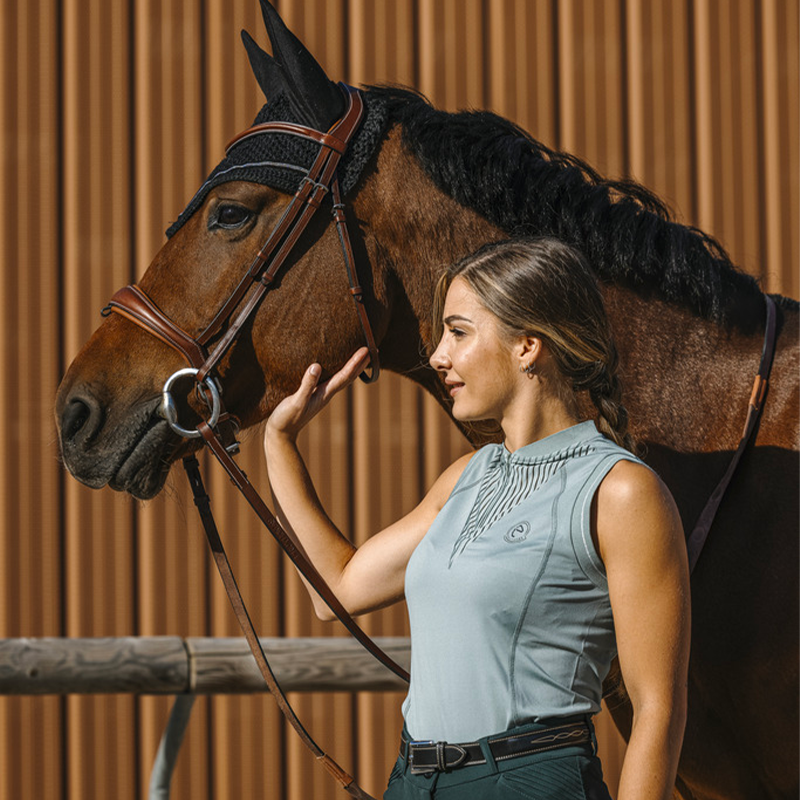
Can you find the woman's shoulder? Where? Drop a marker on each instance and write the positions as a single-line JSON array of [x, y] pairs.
[[630, 480], [449, 479], [633, 499]]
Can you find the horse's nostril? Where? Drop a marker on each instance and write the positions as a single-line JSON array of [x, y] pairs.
[[75, 418]]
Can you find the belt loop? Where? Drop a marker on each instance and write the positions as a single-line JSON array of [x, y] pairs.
[[406, 764], [487, 754], [440, 760]]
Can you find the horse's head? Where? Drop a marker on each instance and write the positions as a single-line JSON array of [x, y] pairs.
[[109, 403]]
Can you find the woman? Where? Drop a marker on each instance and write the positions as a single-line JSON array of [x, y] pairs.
[[529, 564]]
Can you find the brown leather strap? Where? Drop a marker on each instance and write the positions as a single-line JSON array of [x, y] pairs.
[[254, 273], [134, 304], [340, 218], [326, 139], [288, 230], [697, 538], [304, 566], [203, 503], [288, 219]]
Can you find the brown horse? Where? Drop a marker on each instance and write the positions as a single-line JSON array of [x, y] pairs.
[[422, 189]]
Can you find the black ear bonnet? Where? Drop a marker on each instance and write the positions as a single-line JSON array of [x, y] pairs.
[[281, 160]]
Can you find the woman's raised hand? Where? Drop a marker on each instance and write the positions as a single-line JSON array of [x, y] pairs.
[[294, 412]]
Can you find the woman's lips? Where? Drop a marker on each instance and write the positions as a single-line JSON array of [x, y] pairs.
[[454, 388]]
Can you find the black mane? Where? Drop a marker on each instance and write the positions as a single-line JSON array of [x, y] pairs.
[[494, 167]]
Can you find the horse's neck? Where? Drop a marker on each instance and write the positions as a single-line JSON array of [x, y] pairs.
[[420, 230], [687, 380]]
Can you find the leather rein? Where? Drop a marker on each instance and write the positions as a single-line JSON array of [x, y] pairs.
[[697, 538], [219, 431], [614, 690]]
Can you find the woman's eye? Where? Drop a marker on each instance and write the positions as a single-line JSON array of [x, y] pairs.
[[230, 216], [457, 332]]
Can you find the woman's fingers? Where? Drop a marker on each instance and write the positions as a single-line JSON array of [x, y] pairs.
[[310, 379], [297, 410], [354, 366], [308, 392], [292, 412]]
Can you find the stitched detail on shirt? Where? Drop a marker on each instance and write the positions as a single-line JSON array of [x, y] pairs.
[[507, 483]]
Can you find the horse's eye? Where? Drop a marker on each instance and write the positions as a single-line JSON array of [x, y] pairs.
[[230, 216]]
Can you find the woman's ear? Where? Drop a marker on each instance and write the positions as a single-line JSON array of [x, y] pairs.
[[528, 350]]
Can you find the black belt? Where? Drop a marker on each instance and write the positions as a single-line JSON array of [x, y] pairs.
[[430, 756]]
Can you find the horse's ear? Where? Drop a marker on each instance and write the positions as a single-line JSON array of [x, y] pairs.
[[316, 100], [267, 70]]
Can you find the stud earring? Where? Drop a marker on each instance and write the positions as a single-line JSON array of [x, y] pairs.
[[529, 369]]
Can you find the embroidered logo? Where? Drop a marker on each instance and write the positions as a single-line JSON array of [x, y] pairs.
[[519, 533]]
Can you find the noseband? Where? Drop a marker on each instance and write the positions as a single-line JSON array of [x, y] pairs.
[[219, 431]]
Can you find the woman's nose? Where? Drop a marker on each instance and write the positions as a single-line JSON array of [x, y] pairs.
[[439, 358]]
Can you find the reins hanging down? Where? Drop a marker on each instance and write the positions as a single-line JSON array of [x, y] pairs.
[[219, 431], [697, 538], [203, 503]]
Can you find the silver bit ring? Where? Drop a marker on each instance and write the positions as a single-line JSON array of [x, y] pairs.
[[169, 411]]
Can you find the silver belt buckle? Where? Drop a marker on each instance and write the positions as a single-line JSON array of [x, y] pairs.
[[419, 743]]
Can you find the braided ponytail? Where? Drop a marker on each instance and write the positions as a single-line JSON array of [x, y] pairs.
[[606, 395], [598, 378], [543, 287]]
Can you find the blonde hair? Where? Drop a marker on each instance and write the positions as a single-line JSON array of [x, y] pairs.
[[543, 287]]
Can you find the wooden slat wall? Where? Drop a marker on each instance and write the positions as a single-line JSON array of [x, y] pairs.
[[167, 143], [113, 112], [31, 567], [99, 531]]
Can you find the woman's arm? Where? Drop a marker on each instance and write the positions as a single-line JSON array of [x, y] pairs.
[[640, 539], [364, 578]]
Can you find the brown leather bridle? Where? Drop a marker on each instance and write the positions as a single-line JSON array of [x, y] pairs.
[[220, 429], [132, 302]]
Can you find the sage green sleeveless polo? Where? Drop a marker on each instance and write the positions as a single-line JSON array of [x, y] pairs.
[[508, 600]]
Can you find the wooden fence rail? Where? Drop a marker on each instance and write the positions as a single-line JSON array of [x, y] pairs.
[[188, 667], [175, 665]]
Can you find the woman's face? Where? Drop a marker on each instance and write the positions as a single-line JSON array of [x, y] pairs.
[[476, 358]]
